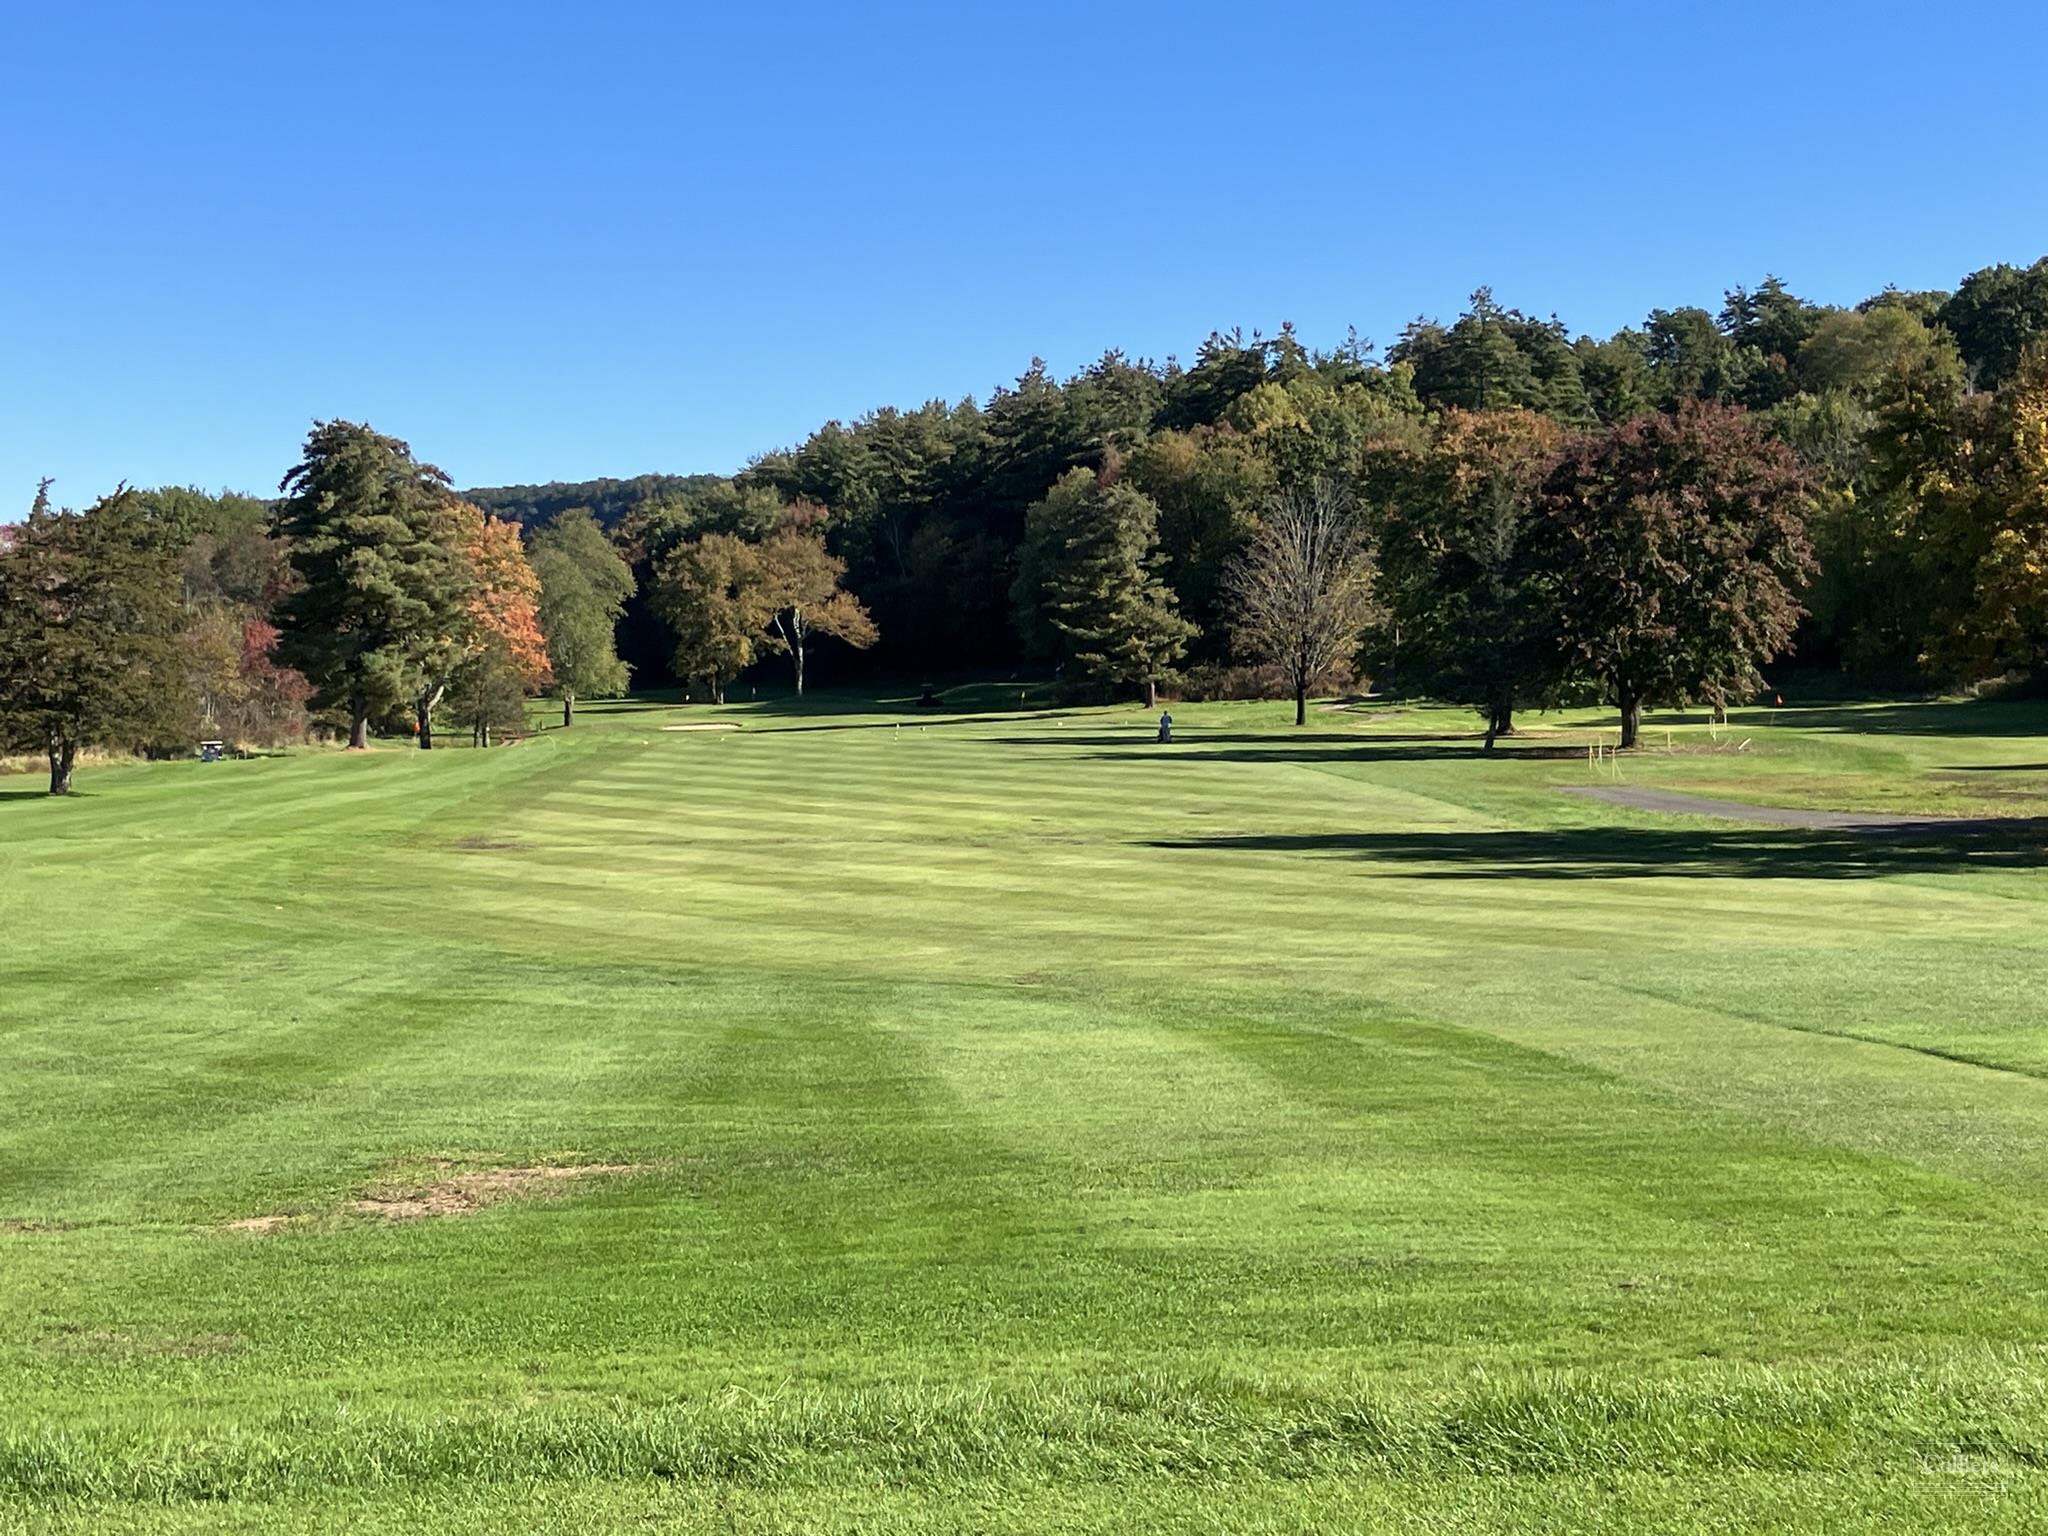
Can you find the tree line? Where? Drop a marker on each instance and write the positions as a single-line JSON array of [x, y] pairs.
[[368, 595], [1908, 412], [1495, 512]]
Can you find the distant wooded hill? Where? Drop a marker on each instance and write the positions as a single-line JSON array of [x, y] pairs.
[[607, 500]]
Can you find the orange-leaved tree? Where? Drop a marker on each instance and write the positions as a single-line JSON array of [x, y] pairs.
[[505, 607], [803, 592], [504, 656]]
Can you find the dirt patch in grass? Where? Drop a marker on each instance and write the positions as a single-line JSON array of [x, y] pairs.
[[443, 1187], [705, 725], [480, 844], [449, 1190], [259, 1224], [32, 1228], [1981, 788]]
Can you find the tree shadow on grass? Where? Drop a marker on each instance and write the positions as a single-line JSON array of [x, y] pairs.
[[960, 702], [1948, 717], [1602, 853], [1346, 749], [772, 725], [36, 794]]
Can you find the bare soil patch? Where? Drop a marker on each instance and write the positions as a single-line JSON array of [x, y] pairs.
[[705, 725], [1359, 707], [259, 1224], [31, 1228], [443, 1187], [450, 1190], [1988, 789]]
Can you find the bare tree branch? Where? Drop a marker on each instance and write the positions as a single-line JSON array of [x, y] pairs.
[[1302, 590]]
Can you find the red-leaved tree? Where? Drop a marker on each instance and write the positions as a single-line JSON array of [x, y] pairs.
[[1671, 550]]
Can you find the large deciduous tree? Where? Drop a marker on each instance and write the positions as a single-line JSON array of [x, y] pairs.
[[584, 584], [1457, 581], [1302, 591], [271, 706], [499, 652], [1672, 549], [804, 595], [1091, 572], [89, 625], [1977, 513], [715, 597], [1995, 316], [384, 582], [212, 647], [505, 603], [488, 690]]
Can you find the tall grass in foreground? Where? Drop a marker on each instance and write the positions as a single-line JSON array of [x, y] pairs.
[[1875, 1418]]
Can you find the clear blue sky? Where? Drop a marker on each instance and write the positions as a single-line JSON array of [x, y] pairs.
[[564, 240]]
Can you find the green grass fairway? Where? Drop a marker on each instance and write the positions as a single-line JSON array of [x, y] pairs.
[[1031, 1128]]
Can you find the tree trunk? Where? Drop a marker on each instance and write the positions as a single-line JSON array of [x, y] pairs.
[[1500, 721], [1300, 702], [1631, 716], [1151, 693], [796, 652], [63, 757], [425, 714], [1720, 711], [568, 710], [358, 726]]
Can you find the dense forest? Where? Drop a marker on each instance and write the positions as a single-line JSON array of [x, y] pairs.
[[1493, 510], [606, 500], [1903, 407]]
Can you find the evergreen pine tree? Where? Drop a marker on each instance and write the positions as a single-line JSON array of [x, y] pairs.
[[383, 578], [89, 622], [1103, 592]]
